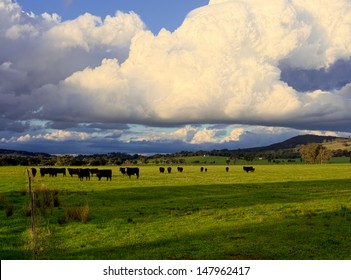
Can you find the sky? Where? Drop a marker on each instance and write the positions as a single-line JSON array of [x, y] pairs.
[[84, 77]]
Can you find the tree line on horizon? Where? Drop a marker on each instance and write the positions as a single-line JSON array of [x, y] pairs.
[[312, 153]]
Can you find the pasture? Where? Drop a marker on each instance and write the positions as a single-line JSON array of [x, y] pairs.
[[277, 212]]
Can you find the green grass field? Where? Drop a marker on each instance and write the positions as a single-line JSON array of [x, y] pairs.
[[278, 212]]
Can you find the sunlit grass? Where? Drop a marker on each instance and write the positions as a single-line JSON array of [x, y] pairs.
[[277, 212]]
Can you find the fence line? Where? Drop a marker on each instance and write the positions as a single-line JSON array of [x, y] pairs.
[[32, 211]]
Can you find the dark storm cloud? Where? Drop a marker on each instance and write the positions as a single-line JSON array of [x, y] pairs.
[[332, 78]]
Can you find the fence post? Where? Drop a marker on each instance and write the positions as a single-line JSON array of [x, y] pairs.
[[32, 210]]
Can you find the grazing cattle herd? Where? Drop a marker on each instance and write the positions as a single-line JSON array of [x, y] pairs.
[[85, 173]]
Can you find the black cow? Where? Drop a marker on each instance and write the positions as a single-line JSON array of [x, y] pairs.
[[169, 169], [248, 169], [202, 169], [162, 170], [123, 170], [93, 171], [180, 169], [43, 171], [52, 171], [72, 171], [227, 169], [132, 171], [104, 173], [59, 171], [34, 171], [83, 172], [47, 170]]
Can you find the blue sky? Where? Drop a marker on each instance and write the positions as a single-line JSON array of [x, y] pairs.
[[164, 76], [156, 14]]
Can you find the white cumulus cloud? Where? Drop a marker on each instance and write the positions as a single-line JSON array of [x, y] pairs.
[[223, 65]]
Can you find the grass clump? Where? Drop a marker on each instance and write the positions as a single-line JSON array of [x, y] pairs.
[[77, 214], [46, 198], [9, 209], [26, 209]]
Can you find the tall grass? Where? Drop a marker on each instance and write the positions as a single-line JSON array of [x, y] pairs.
[[46, 198], [77, 213]]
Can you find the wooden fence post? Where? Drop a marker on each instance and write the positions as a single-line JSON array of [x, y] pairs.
[[32, 209]]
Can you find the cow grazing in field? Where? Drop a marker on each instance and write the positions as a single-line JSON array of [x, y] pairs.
[[227, 169], [123, 170], [169, 170], [48, 170], [52, 172], [59, 171], [104, 173], [180, 169], [205, 169], [202, 169], [248, 169], [93, 171], [132, 171], [43, 171], [34, 171], [72, 171], [83, 173], [162, 170]]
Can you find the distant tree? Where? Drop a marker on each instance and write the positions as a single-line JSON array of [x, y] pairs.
[[234, 158], [315, 153], [95, 162], [34, 161], [324, 154], [249, 158]]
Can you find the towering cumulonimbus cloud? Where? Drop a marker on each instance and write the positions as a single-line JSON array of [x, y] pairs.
[[222, 65]]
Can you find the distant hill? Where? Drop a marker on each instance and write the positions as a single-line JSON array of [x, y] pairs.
[[293, 142], [300, 140]]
